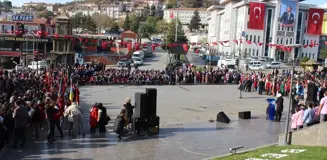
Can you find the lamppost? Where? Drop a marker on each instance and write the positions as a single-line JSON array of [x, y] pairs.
[[176, 21], [290, 95]]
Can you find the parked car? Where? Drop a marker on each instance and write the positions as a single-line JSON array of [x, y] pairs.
[[273, 65], [19, 67], [137, 61], [256, 67], [124, 62], [138, 54], [37, 65], [147, 51]]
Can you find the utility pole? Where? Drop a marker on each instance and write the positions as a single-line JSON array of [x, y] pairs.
[[176, 21]]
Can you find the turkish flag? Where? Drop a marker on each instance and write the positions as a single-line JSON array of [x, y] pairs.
[[257, 15], [315, 21], [171, 15], [185, 47], [235, 40]]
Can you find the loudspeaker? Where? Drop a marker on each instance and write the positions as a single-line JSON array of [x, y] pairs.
[[140, 105], [221, 117], [244, 115], [151, 102], [154, 125], [139, 125]]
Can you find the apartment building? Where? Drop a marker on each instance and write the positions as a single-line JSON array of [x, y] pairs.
[[230, 20]]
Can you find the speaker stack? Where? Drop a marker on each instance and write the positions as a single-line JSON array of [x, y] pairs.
[[145, 117]]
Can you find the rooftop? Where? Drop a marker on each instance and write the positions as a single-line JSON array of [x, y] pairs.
[[189, 9]]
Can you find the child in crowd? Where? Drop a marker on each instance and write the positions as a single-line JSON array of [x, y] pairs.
[[294, 119]]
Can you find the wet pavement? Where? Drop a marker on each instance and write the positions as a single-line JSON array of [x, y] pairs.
[[179, 142], [185, 133]]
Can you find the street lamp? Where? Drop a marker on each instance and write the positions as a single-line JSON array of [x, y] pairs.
[[290, 95]]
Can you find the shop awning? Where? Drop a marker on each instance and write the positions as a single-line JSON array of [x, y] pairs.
[[9, 54]]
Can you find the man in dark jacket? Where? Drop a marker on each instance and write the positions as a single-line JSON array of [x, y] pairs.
[[312, 92], [20, 116], [50, 112], [35, 117], [280, 107], [102, 116]]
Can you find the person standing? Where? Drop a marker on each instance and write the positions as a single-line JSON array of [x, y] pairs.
[[20, 116], [50, 114], [322, 109], [280, 107], [94, 118], [35, 116], [57, 116], [129, 110], [102, 115], [76, 113]]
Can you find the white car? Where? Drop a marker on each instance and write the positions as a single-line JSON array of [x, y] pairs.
[[19, 67], [37, 65], [273, 65], [137, 61], [256, 67]]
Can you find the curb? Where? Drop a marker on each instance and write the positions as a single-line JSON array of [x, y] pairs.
[[248, 150]]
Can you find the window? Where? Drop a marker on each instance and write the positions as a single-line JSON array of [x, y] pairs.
[[254, 38], [307, 42], [302, 55], [306, 54], [245, 50], [277, 40], [306, 16], [257, 52], [288, 28], [249, 10], [253, 52], [291, 41], [251, 38], [246, 37], [286, 41], [258, 38], [281, 40], [313, 56], [309, 56], [279, 27], [249, 50]]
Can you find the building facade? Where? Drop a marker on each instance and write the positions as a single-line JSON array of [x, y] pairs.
[[229, 22], [185, 15], [23, 47]]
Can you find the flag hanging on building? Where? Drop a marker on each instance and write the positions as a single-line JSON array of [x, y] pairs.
[[257, 15], [171, 15], [315, 21]]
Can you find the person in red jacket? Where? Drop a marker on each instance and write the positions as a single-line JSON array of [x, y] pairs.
[[94, 112]]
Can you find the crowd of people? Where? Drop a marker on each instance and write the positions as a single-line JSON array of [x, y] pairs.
[[309, 101], [183, 75], [49, 100]]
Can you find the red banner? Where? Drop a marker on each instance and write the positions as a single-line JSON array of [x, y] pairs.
[[315, 21], [257, 15]]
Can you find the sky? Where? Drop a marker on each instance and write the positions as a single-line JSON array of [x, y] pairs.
[[20, 2]]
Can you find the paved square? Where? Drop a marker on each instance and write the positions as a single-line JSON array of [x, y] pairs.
[[185, 133]]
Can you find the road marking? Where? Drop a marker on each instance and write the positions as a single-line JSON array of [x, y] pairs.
[[191, 151]]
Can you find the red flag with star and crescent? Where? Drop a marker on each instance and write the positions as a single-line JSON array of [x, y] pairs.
[[315, 21], [257, 15]]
